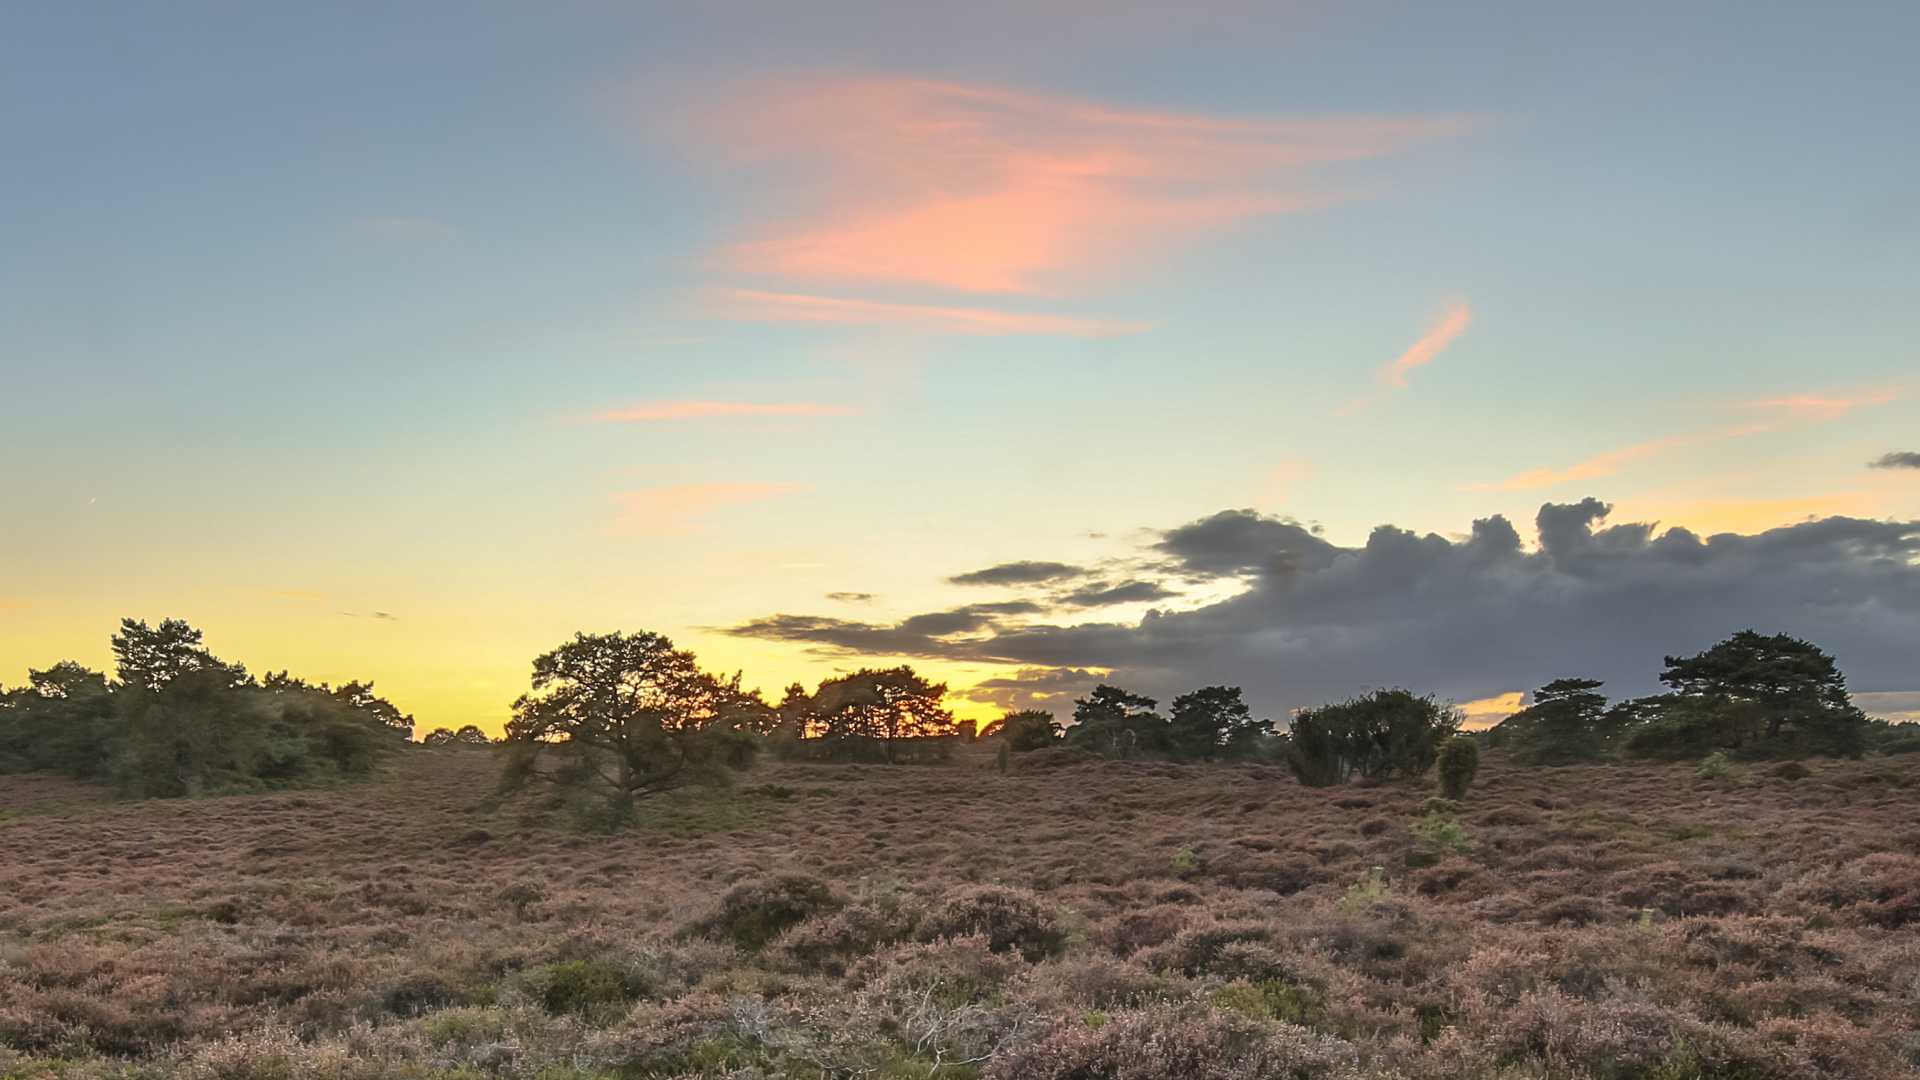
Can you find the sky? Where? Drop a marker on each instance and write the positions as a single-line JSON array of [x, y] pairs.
[[1306, 347]]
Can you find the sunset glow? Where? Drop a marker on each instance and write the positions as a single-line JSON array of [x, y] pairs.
[[1245, 345]]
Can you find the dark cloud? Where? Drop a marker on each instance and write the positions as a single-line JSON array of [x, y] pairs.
[[1243, 542], [931, 635], [851, 597], [1464, 618], [1020, 573], [1101, 594], [1898, 459]]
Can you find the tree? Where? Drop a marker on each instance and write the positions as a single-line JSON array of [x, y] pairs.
[[1116, 722], [360, 695], [1568, 721], [1213, 722], [61, 720], [1028, 729], [150, 657], [1382, 735], [1775, 689], [884, 704], [468, 735], [626, 715]]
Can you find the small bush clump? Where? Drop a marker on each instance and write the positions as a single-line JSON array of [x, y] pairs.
[[1009, 918], [753, 913]]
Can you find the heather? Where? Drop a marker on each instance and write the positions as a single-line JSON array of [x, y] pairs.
[[1070, 917]]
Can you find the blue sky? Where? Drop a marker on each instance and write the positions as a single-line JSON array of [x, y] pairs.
[[307, 311]]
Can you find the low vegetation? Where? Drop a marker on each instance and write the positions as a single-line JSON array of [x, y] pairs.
[[660, 875]]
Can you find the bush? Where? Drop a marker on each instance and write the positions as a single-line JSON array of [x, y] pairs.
[[1459, 759], [1009, 918], [1383, 735], [1717, 766], [598, 991], [755, 912], [1187, 1042]]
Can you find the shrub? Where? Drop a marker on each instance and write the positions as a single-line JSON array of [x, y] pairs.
[[1191, 1043], [1718, 767], [594, 990], [1459, 759], [1383, 735], [1009, 918], [755, 912]]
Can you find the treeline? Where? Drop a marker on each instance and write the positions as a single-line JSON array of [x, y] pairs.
[[176, 720], [1752, 695]]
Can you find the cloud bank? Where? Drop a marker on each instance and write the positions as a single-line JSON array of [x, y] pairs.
[[1469, 618]]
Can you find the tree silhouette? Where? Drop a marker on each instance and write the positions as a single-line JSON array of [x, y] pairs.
[[1776, 688], [626, 715], [887, 704], [1110, 720], [150, 657], [1028, 729], [1213, 722]]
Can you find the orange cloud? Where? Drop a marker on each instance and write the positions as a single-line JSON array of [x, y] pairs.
[[992, 190], [675, 504], [1599, 465], [1710, 516], [1824, 406], [1793, 410], [1483, 713], [1451, 325], [758, 306], [694, 410]]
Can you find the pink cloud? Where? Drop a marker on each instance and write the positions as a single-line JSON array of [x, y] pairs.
[[1438, 336], [673, 505], [993, 190], [1792, 411], [1451, 324], [1599, 465], [697, 410], [759, 306]]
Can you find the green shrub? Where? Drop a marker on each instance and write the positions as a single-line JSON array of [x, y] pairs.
[[1459, 759], [1717, 766], [755, 912], [594, 990]]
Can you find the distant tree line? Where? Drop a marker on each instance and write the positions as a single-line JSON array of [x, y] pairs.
[[176, 720], [1751, 695]]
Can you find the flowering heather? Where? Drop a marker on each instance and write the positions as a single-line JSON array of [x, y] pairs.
[[1091, 920]]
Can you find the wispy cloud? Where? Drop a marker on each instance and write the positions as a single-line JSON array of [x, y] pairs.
[[990, 189], [1823, 406], [757, 306], [674, 504], [383, 616], [1786, 412], [1897, 459], [1596, 466], [655, 411], [1451, 324]]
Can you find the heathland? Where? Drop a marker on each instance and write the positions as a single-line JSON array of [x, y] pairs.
[[1068, 917]]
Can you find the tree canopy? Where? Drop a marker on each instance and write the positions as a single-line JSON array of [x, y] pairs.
[[626, 715]]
